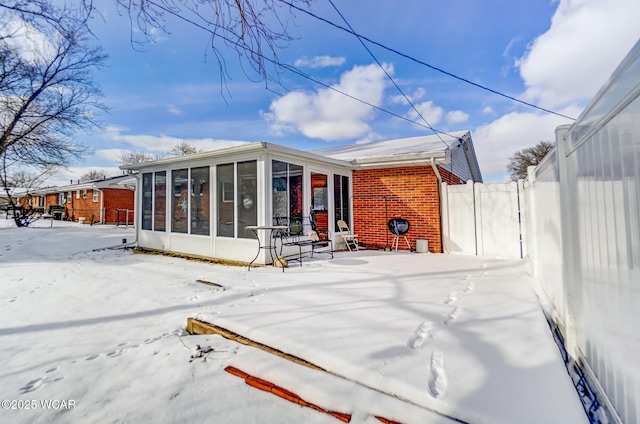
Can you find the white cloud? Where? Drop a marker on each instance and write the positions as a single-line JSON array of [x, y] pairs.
[[429, 111], [488, 110], [110, 154], [495, 142], [320, 62], [400, 99], [33, 46], [160, 143], [573, 59], [174, 110], [456, 117], [327, 114]]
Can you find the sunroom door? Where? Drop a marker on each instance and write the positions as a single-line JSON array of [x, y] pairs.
[[320, 199]]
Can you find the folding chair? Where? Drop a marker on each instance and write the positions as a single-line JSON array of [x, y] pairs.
[[351, 240]]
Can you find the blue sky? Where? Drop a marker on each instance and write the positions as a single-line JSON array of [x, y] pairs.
[[556, 54]]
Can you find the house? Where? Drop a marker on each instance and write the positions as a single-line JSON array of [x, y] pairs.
[[106, 201], [202, 204], [401, 179]]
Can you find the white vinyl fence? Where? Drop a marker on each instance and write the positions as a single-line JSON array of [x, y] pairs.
[[580, 226], [482, 219]]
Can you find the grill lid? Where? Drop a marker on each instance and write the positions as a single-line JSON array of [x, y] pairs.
[[398, 226]]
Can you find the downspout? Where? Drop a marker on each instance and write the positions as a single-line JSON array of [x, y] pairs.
[[439, 177], [102, 214]]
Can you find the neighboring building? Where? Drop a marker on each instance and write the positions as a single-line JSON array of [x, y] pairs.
[[106, 201], [201, 204]]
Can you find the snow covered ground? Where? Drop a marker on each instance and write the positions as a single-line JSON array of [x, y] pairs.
[[416, 338]]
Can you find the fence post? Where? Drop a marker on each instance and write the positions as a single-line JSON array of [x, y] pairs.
[[570, 241]]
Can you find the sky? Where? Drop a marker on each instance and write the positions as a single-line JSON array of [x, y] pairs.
[[555, 54]]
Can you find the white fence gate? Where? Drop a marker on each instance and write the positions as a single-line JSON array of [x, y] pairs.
[[482, 219]]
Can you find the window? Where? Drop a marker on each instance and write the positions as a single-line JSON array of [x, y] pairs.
[[226, 204], [77, 194], [200, 200], [180, 200], [84, 193], [247, 190], [286, 181], [319, 192], [160, 201], [60, 198], [95, 195], [147, 201], [341, 198]]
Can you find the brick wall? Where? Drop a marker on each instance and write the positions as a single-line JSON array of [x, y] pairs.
[[408, 192], [114, 199]]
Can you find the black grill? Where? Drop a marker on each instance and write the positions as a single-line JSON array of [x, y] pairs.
[[399, 227]]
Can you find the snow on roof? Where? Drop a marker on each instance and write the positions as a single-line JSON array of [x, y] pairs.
[[428, 144], [113, 182]]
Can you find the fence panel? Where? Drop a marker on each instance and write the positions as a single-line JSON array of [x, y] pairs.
[[459, 216], [497, 220], [585, 220]]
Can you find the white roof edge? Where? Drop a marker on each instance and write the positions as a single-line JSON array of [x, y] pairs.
[[247, 148], [399, 159]]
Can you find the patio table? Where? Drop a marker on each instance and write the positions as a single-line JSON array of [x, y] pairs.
[[269, 245]]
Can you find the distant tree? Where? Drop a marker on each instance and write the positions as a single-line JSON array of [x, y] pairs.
[[47, 92], [132, 158], [94, 174], [20, 184], [522, 159], [182, 149]]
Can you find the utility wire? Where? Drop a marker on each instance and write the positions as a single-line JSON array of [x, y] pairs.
[[386, 73], [293, 69], [406, 56]]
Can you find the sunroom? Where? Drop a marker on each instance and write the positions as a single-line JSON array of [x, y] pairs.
[[207, 204]]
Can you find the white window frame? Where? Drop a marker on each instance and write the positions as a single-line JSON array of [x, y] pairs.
[[95, 196]]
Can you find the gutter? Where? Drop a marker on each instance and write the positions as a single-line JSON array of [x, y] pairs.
[[439, 177]]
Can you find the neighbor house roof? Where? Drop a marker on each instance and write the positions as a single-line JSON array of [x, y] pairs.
[[111, 182], [452, 150]]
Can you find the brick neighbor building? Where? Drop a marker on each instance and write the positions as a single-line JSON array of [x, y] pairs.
[[105, 201]]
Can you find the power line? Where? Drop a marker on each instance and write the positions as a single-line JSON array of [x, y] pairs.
[[293, 69], [435, 68], [387, 74]]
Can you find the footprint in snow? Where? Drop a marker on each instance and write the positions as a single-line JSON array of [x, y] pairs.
[[13, 299], [469, 287], [92, 357], [453, 315], [437, 377], [453, 296], [116, 353], [420, 335], [33, 385]]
